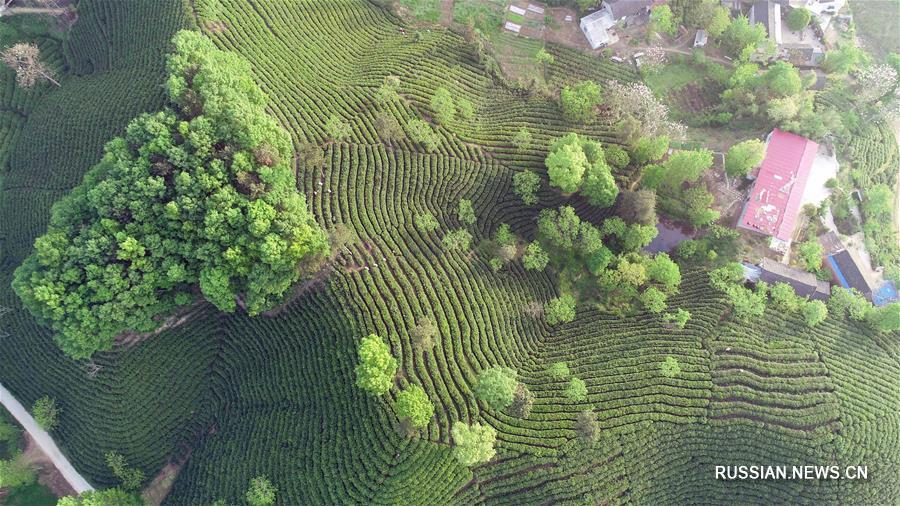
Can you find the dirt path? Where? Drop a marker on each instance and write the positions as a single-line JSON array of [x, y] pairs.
[[55, 11], [48, 474], [44, 442], [446, 12]]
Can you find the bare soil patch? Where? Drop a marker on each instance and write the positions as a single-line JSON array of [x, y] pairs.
[[47, 473]]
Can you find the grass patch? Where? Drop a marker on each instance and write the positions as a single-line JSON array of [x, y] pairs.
[[425, 10], [672, 77], [487, 16], [877, 22], [515, 18]]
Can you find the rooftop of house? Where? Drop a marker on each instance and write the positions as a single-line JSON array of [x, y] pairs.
[[595, 26], [805, 284], [848, 273], [774, 201], [768, 14]]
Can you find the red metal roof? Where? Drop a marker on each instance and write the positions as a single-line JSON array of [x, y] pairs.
[[775, 199]]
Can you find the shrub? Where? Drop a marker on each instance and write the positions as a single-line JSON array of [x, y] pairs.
[[377, 367], [457, 240], [496, 387], [535, 258], [587, 427], [577, 390], [426, 222], [442, 105], [45, 413], [261, 492], [523, 400], [559, 370], [414, 404], [466, 213], [525, 185], [670, 367], [560, 310], [473, 444]]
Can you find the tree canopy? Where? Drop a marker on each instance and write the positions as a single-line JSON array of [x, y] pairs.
[[413, 404], [578, 101], [376, 368], [473, 444], [575, 163], [744, 156], [496, 387], [200, 193]]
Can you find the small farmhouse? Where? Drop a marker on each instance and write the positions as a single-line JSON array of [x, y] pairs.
[[847, 273], [805, 284], [768, 14], [774, 202]]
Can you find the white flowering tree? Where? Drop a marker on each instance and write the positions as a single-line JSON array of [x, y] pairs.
[[637, 101]]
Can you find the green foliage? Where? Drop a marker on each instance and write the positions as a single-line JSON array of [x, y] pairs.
[[535, 258], [682, 166], [421, 132], [46, 413], [810, 255], [741, 39], [662, 20], [566, 163], [466, 212], [587, 427], [261, 492], [649, 149], [844, 59], [130, 477], [814, 312], [573, 161], [653, 300], [560, 310], [426, 223], [848, 303], [670, 367], [496, 387], [473, 444], [15, 472], [414, 404], [878, 201], [576, 391], [616, 156], [377, 367], [166, 209], [443, 106], [108, 497], [559, 370], [784, 298], [885, 318], [337, 129], [544, 57], [579, 102], [523, 401], [680, 317], [798, 19], [744, 156], [457, 240], [465, 108], [526, 185], [523, 140]]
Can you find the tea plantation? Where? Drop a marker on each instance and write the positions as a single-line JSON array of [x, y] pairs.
[[234, 397]]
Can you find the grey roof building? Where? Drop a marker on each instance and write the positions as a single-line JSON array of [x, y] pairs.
[[804, 283]]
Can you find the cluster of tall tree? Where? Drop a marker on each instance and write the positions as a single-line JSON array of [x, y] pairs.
[[199, 195]]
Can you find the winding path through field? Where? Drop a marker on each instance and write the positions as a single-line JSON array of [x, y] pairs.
[[44, 441]]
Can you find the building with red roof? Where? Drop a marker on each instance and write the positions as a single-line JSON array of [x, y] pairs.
[[774, 202]]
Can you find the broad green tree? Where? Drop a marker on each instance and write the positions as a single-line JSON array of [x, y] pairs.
[[108, 497], [200, 194], [473, 444], [443, 106], [587, 427], [261, 492], [535, 258], [466, 212], [526, 185], [670, 367], [413, 404], [580, 101], [560, 310], [566, 165], [46, 413], [744, 156], [814, 312], [457, 240], [377, 367], [496, 387], [662, 20], [649, 149], [523, 140], [798, 19], [577, 390]]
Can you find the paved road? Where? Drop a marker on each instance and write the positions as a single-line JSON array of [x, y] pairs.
[[44, 441]]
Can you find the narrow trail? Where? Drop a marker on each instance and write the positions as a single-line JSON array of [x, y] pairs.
[[44, 442], [53, 11]]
